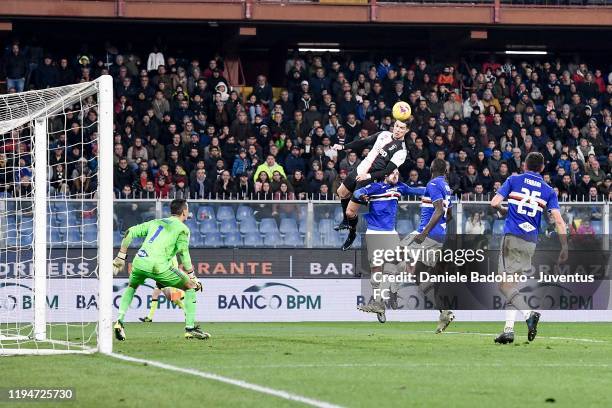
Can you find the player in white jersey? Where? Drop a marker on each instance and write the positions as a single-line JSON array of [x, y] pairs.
[[528, 198], [388, 152]]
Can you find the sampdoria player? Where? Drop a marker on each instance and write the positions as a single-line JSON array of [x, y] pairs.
[[388, 152], [164, 239], [383, 200], [429, 237], [528, 196]]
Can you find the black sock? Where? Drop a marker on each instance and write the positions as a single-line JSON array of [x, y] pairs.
[[344, 202], [352, 222]]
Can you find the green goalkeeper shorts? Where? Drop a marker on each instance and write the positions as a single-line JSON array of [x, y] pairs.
[[173, 278]]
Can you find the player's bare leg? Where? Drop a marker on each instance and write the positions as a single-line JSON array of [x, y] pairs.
[[153, 308], [173, 295]]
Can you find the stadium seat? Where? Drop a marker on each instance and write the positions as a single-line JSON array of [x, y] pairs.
[[74, 237], [225, 213], [338, 216], [59, 206], [252, 239], [192, 224], [165, 211], [498, 227], [90, 235], [248, 225], [208, 226], [196, 241], [213, 240], [326, 225], [62, 218], [273, 239], [117, 238], [268, 225], [288, 226], [303, 226], [205, 212], [404, 226], [294, 240], [228, 226], [233, 239], [597, 227], [244, 212], [54, 237], [331, 239]]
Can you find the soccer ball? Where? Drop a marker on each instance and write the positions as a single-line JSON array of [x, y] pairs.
[[402, 111]]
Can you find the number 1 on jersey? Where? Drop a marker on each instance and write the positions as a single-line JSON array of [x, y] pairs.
[[157, 231]]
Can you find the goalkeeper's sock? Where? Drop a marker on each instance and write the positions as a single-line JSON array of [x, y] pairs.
[[153, 308], [190, 308], [179, 303], [126, 301], [510, 317]]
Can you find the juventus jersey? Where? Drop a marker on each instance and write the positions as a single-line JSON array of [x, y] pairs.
[[385, 149], [528, 195]]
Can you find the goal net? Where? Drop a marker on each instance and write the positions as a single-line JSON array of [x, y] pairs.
[[56, 219]]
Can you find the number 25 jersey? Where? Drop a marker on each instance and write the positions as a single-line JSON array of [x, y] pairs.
[[528, 196]]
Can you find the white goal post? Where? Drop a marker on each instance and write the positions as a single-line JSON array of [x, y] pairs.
[[56, 211]]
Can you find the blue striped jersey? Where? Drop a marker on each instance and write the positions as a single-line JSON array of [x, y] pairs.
[[437, 189], [383, 203], [528, 196]]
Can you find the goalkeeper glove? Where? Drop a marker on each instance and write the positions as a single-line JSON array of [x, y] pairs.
[[194, 279], [119, 262]]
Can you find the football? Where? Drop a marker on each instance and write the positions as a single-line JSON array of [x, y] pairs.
[[401, 111]]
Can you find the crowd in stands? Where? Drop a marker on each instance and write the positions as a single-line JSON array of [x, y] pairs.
[[181, 130]]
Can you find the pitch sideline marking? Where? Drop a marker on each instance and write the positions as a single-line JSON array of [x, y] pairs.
[[238, 383]]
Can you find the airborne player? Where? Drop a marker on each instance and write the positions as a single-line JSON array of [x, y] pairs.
[[388, 152]]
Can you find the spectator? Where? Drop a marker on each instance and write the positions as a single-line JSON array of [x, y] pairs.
[[475, 225], [16, 69], [269, 167]]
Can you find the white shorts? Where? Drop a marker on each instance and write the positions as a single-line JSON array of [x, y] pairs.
[[515, 255], [426, 249], [376, 240]]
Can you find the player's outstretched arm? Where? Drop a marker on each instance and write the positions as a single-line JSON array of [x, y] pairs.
[[359, 143], [407, 190], [367, 191], [136, 231]]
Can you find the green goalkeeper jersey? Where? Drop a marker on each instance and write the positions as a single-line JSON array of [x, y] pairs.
[[163, 240]]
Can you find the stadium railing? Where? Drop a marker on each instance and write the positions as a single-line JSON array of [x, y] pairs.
[[260, 223]]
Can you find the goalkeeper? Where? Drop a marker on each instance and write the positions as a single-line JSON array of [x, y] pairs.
[[174, 295], [164, 238]]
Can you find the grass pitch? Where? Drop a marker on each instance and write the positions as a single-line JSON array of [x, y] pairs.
[[346, 364]]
